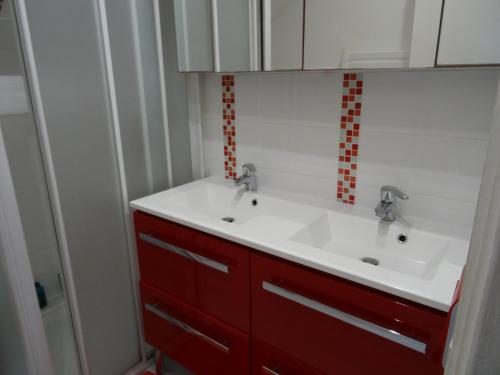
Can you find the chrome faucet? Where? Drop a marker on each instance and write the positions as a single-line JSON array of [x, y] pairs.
[[387, 205], [248, 178]]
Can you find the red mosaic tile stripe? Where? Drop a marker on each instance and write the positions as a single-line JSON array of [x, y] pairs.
[[352, 93], [229, 126]]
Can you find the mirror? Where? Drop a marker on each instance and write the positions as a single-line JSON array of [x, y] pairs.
[[218, 35], [225, 35], [4, 9], [236, 35], [352, 34], [193, 35], [283, 34]]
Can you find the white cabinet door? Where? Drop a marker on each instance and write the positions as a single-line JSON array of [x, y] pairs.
[[470, 33], [346, 34]]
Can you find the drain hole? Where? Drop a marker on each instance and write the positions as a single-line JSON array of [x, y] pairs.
[[228, 219], [370, 260], [402, 238]]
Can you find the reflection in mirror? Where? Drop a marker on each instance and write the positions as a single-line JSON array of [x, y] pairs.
[[283, 34], [4, 8], [346, 34], [194, 43], [236, 35]]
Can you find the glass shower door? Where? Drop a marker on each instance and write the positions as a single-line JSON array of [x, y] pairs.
[[17, 127], [12, 355]]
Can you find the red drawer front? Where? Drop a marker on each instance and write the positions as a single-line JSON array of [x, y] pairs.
[[296, 309], [201, 343], [213, 275], [267, 360]]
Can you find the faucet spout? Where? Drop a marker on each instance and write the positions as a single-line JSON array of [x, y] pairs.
[[387, 205], [384, 210], [248, 178]]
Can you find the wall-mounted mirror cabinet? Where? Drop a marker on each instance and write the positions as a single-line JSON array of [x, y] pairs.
[[283, 34], [470, 33], [253, 35], [193, 35], [218, 35], [350, 34]]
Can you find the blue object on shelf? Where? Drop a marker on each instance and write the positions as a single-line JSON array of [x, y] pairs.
[[40, 293]]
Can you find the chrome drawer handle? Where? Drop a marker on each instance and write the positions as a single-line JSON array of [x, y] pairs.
[[185, 253], [185, 327], [388, 334], [267, 370]]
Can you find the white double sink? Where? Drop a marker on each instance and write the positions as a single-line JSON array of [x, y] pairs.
[[344, 242]]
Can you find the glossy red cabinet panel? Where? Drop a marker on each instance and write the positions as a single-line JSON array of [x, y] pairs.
[[205, 271], [205, 299], [267, 360], [197, 341], [355, 345]]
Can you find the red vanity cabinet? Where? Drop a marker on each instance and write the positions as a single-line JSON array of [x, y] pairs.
[[201, 343], [217, 307], [267, 360], [340, 327], [207, 272]]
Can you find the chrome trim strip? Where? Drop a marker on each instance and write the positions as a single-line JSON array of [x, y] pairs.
[[267, 370], [347, 318], [215, 35], [255, 34], [185, 327], [185, 253], [266, 34]]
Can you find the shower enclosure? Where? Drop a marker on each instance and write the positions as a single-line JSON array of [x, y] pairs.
[[85, 126]]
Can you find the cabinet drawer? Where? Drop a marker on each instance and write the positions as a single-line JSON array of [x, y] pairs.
[[207, 272], [202, 344], [267, 360], [340, 327]]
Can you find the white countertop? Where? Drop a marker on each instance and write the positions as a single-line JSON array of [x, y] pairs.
[[328, 237]]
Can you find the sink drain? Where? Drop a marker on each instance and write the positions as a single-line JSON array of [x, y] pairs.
[[402, 238], [370, 260], [228, 219]]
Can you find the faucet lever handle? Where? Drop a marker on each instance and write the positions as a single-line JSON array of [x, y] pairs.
[[248, 168], [387, 190]]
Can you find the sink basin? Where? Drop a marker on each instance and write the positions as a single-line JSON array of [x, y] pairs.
[[213, 202], [232, 208], [384, 245], [348, 242]]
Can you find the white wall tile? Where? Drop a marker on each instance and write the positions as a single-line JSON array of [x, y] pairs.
[[247, 142], [213, 141], [214, 167], [314, 151], [274, 144], [316, 98], [452, 103], [275, 96], [211, 94], [247, 98], [321, 188], [424, 131]]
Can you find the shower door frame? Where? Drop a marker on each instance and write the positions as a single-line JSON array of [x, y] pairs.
[[19, 274], [35, 98]]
